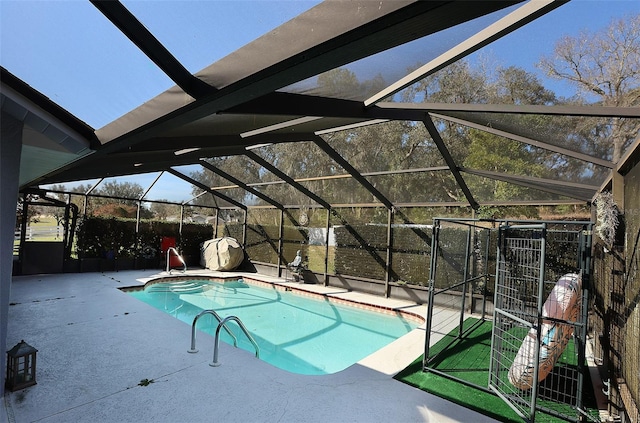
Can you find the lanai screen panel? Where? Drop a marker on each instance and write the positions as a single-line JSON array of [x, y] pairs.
[[302, 159], [508, 166], [502, 68], [341, 190], [230, 127], [287, 195], [207, 199], [591, 136], [418, 187], [263, 235], [360, 237], [490, 191], [192, 30], [572, 14], [79, 187], [489, 152], [362, 78], [386, 146], [238, 166], [168, 187]]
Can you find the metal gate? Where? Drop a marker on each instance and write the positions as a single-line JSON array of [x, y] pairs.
[[530, 369]]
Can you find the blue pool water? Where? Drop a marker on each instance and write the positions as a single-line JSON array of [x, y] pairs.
[[297, 333]]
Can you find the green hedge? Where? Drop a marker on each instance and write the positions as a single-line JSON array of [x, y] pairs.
[[106, 238], [361, 251], [99, 237]]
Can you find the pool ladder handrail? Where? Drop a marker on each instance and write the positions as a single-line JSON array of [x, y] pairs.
[[217, 339], [169, 250], [193, 329]]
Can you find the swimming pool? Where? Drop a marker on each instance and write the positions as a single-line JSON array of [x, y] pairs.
[[296, 332]]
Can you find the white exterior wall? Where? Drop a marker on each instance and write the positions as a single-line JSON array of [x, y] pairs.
[[10, 151]]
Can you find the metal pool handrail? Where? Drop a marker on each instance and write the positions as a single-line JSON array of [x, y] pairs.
[[169, 250], [217, 339], [219, 319]]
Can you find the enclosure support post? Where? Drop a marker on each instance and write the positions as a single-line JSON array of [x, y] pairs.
[[137, 240], [585, 256], [72, 226], [181, 220], [617, 189], [244, 228], [65, 236], [86, 196], [432, 279], [486, 273], [215, 225], [387, 276], [10, 153], [326, 249], [280, 236], [138, 217]]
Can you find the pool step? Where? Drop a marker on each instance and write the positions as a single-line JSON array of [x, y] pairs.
[[180, 287]]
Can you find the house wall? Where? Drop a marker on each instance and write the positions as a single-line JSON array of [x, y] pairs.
[[10, 151]]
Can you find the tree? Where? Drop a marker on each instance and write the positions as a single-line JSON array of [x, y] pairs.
[[463, 82], [338, 82], [32, 211], [128, 192], [344, 83], [59, 212], [457, 83], [517, 86], [365, 148], [240, 167], [162, 211], [604, 66], [497, 154], [116, 210]]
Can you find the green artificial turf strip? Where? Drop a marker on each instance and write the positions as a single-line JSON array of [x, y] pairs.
[[471, 352], [467, 359]]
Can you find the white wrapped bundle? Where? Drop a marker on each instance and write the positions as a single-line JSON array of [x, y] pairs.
[[562, 304], [222, 254]]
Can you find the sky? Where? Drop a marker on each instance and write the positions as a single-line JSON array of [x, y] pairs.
[[68, 51], [527, 45], [57, 45]]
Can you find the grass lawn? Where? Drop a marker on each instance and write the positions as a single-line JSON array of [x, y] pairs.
[[45, 229], [316, 258]]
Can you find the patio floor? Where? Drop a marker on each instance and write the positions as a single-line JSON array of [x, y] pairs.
[[96, 344]]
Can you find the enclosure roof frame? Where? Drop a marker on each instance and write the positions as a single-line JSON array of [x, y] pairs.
[[214, 112]]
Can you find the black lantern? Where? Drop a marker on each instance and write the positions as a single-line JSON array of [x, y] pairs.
[[21, 366]]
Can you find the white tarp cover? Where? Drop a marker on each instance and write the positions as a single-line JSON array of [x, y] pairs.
[[221, 254]]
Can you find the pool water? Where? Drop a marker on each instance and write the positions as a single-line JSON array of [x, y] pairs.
[[297, 333]]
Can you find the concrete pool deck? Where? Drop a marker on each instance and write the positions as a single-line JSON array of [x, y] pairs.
[[96, 345]]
